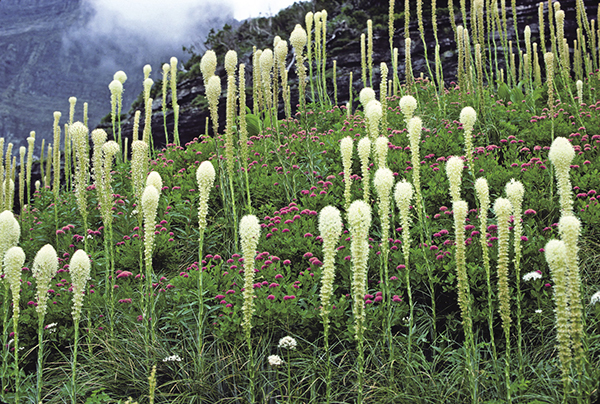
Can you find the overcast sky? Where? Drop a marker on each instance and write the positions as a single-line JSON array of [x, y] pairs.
[[171, 23], [252, 8]]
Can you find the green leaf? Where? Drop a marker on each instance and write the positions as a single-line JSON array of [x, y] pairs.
[[253, 125], [503, 92]]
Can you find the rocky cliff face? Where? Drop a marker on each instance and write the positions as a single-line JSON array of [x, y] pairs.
[[48, 55], [344, 46]]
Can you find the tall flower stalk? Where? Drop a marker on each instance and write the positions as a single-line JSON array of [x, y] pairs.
[[79, 268], [10, 231], [346, 151], [515, 192], [502, 209], [205, 176], [468, 117], [556, 254], [45, 266], [561, 155], [79, 135], [483, 196], [244, 132], [109, 151], [231, 67], [30, 146], [384, 181], [569, 228], [13, 263], [465, 301], [403, 194], [359, 221], [150, 199], [249, 235], [330, 227], [364, 150]]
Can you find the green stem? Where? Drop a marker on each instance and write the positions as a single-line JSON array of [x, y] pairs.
[[4, 337], [18, 373], [40, 359], [328, 354], [200, 297], [74, 364], [361, 362]]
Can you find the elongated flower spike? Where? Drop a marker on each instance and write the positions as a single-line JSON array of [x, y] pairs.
[[79, 268], [381, 149], [374, 113], [367, 95], [408, 105], [249, 235], [346, 150], [556, 254], [561, 155], [364, 150], [330, 228], [45, 266], [155, 179], [208, 65], [454, 168], [468, 117]]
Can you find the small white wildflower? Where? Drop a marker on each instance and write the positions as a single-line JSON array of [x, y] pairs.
[[538, 311], [532, 276], [275, 361], [595, 298], [172, 358], [288, 343]]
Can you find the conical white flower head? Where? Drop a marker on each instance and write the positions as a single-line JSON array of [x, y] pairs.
[[359, 218], [367, 95], [415, 125], [364, 148], [384, 181], [150, 199], [10, 231], [110, 148], [115, 87], [148, 83], [346, 148], [122, 77], [213, 90], [502, 207], [403, 194], [249, 234], [373, 111], [381, 149], [408, 105], [79, 268], [44, 268], [515, 192], [570, 228], [556, 253], [231, 61], [208, 64], [468, 117], [482, 189], [99, 136], [78, 132], [266, 60], [155, 180], [330, 224], [561, 153], [298, 38], [13, 264], [205, 174], [454, 168]]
